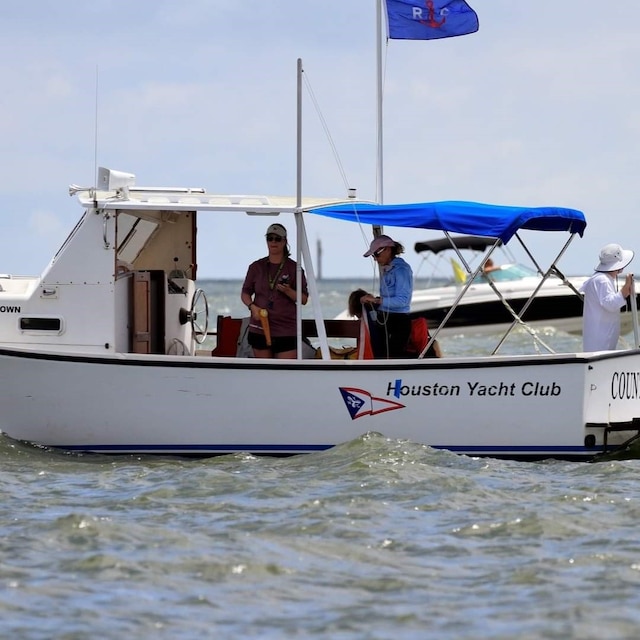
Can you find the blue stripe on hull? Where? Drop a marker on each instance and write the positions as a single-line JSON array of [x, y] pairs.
[[537, 452]]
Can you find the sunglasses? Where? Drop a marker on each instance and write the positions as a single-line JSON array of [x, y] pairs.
[[274, 238], [378, 252]]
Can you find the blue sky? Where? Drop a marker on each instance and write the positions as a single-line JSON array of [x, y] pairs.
[[540, 107]]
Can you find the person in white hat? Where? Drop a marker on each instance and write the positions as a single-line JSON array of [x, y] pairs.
[[602, 300], [390, 333]]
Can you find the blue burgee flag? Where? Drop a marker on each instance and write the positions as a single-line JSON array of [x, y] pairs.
[[430, 19]]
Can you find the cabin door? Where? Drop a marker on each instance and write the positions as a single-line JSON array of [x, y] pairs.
[[148, 305]]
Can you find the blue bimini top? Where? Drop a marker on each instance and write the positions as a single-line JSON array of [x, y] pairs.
[[497, 221]]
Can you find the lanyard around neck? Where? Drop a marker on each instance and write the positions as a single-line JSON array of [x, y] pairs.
[[272, 281]]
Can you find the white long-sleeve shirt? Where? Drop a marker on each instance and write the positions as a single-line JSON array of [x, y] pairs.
[[601, 314]]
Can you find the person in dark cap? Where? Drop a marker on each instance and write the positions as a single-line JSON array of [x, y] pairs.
[[269, 292], [602, 300], [392, 327]]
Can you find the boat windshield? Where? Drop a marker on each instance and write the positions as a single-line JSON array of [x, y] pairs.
[[506, 272]]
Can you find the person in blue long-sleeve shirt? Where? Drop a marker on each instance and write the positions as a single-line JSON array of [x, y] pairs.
[[392, 326]]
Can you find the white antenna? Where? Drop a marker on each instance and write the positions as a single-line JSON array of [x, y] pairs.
[[95, 140]]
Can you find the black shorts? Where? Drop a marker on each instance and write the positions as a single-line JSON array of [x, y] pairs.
[[390, 334], [278, 344]]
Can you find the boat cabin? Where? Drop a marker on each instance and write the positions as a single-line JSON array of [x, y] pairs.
[[124, 281]]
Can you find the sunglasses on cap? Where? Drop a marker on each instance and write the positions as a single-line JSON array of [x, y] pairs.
[[379, 251], [274, 238]]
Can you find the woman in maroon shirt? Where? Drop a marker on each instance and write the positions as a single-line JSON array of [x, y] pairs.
[[270, 284]]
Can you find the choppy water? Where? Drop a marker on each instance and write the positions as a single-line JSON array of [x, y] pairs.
[[374, 539]]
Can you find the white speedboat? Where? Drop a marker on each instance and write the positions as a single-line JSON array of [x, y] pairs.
[[102, 351], [493, 295]]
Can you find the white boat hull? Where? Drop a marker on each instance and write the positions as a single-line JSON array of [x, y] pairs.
[[561, 406], [482, 312]]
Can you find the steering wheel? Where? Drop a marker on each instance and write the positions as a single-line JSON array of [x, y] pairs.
[[198, 316]]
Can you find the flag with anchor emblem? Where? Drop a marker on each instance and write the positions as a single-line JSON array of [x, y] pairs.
[[430, 19]]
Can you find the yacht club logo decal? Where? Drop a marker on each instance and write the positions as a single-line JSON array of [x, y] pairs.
[[362, 403]]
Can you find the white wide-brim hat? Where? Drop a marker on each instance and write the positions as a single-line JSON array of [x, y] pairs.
[[613, 257]]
